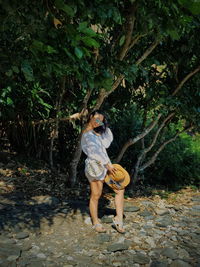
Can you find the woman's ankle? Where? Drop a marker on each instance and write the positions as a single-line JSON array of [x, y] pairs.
[[118, 218], [95, 221]]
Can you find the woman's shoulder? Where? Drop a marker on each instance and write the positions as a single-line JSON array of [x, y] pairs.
[[87, 134]]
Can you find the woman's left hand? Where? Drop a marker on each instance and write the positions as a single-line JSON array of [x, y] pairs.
[[111, 168]]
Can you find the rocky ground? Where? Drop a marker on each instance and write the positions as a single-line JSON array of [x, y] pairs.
[[42, 223], [45, 231]]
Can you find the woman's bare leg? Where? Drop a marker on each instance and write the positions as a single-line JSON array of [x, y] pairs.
[[119, 205], [96, 191]]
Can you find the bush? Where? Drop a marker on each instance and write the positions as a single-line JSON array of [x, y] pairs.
[[178, 164]]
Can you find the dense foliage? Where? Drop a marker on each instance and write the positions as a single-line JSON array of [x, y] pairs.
[[135, 59]]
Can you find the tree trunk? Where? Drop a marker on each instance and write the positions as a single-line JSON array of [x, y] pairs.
[[162, 146], [146, 150], [73, 179], [136, 139], [55, 127]]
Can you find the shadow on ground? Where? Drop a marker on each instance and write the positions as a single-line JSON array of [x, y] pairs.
[[30, 194]]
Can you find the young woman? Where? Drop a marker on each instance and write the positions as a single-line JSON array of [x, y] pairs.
[[96, 138]]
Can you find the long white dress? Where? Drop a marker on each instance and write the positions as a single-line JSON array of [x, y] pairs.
[[94, 146]]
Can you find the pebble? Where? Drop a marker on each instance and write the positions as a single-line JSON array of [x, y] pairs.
[[13, 257], [180, 263], [158, 234], [131, 209], [88, 221], [169, 253], [117, 247], [22, 235]]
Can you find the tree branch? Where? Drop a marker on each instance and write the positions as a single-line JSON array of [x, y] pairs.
[[135, 40], [137, 138], [169, 117], [54, 132], [103, 94], [185, 79], [75, 116], [154, 157], [147, 52], [146, 150], [130, 21]]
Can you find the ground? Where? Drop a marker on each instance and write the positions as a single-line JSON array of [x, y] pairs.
[[45, 224]]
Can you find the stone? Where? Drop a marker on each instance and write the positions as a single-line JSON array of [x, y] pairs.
[[137, 240], [116, 263], [88, 221], [102, 238], [180, 263], [41, 256], [9, 255], [12, 257], [183, 254], [197, 232], [149, 218], [196, 199], [36, 263], [145, 213], [148, 204], [131, 209], [140, 258], [196, 207], [169, 253], [159, 264], [26, 247], [164, 221], [107, 219], [22, 235], [161, 212], [5, 240], [117, 247], [195, 210], [48, 200], [149, 240]]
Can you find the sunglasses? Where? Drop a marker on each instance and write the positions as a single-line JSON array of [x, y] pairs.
[[99, 122]]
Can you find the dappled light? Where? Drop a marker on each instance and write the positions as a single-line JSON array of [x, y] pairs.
[[135, 66]]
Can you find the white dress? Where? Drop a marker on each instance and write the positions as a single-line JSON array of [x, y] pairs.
[[94, 146]]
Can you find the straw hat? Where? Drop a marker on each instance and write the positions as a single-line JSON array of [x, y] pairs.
[[119, 180]]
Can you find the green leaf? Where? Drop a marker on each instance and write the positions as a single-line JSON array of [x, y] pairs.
[[82, 26], [117, 16], [9, 73], [86, 52], [193, 6], [90, 42], [15, 69], [89, 32], [69, 54], [107, 83], [50, 50], [91, 83], [78, 52], [86, 30], [38, 45], [9, 101], [122, 39], [66, 8], [27, 71], [134, 68], [173, 34]]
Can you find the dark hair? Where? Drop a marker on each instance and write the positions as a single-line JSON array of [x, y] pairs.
[[100, 129]]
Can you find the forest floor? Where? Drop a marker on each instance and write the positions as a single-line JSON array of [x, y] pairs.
[[42, 223]]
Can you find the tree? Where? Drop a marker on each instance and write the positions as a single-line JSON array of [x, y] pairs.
[[63, 59]]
